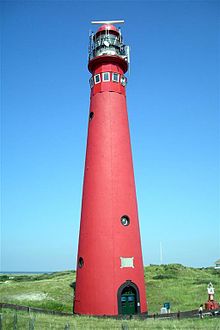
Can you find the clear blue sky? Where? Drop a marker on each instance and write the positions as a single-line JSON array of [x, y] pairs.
[[173, 106]]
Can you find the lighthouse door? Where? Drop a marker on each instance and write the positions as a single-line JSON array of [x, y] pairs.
[[128, 299], [128, 302]]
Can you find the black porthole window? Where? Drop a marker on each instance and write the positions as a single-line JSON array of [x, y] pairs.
[[91, 115], [125, 221], [80, 262]]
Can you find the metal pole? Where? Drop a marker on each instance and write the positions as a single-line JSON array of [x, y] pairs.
[[161, 253]]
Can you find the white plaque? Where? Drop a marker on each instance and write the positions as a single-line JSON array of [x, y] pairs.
[[127, 262]]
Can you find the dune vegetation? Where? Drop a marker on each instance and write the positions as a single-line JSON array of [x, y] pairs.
[[184, 287]]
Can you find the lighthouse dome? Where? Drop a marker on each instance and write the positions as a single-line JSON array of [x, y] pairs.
[[108, 27]]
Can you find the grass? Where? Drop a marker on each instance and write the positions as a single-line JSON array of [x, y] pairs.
[[49, 291], [184, 287], [44, 322]]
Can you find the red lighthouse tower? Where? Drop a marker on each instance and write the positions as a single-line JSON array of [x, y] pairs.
[[110, 274]]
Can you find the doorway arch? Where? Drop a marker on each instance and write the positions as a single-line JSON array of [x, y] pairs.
[[128, 299]]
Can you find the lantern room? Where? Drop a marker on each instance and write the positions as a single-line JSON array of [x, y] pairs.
[[108, 41]]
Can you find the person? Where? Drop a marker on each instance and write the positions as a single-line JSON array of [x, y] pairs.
[[200, 311], [178, 315]]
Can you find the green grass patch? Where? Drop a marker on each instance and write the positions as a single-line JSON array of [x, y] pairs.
[[49, 291], [22, 320], [184, 287]]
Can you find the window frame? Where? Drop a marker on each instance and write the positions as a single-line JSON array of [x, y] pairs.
[[123, 81], [91, 82], [127, 220], [91, 115], [97, 82], [80, 262], [103, 74], [118, 75]]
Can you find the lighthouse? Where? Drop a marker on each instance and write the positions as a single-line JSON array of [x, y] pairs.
[[110, 272]]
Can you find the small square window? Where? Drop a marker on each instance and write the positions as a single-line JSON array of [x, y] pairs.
[[97, 78], [123, 80], [91, 82], [115, 77], [106, 76]]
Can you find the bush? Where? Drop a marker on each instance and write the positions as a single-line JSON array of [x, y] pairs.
[[163, 277]]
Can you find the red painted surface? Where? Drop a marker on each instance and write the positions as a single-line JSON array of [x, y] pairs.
[[108, 194], [212, 304], [108, 27]]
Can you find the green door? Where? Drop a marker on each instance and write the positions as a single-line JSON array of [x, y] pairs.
[[128, 303]]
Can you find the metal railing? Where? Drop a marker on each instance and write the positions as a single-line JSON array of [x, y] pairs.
[[107, 44]]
